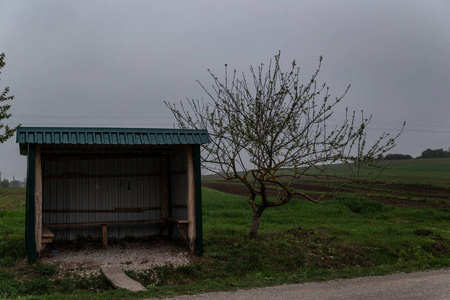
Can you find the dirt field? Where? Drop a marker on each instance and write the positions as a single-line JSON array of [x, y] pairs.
[[401, 195]]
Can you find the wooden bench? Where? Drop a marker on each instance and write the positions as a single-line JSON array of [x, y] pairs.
[[106, 222], [47, 236], [104, 226], [181, 225]]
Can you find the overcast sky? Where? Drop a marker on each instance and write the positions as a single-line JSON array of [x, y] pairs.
[[113, 63]]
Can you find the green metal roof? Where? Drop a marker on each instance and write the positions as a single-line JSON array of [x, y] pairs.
[[108, 136]]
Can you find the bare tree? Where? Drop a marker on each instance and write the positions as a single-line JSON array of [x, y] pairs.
[[7, 131], [275, 132]]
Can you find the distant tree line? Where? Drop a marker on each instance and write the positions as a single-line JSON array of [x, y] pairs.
[[397, 156], [5, 183], [429, 153], [436, 153]]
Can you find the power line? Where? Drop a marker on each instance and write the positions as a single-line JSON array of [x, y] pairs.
[[171, 124], [408, 124], [84, 117], [158, 117], [412, 130], [399, 124], [84, 124]]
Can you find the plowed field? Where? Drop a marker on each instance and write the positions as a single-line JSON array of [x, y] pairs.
[[402, 195]]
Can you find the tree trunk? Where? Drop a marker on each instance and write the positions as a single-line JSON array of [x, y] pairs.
[[255, 223]]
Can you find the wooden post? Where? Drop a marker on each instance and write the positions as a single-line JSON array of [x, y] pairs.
[[165, 196], [38, 199], [191, 197], [104, 235]]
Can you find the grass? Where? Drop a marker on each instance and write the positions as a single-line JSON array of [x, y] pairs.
[[360, 219], [435, 171], [299, 242], [12, 198], [12, 232]]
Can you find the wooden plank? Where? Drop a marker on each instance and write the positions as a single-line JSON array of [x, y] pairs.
[[138, 237], [126, 209], [104, 235], [38, 199], [119, 280], [177, 221], [182, 228], [47, 233], [191, 198], [100, 223], [70, 176], [103, 156], [119, 209], [165, 192]]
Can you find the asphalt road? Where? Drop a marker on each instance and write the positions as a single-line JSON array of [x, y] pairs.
[[428, 285]]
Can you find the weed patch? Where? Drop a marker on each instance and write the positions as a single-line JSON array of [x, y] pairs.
[[45, 269], [424, 232], [7, 261], [12, 198], [360, 205], [12, 248]]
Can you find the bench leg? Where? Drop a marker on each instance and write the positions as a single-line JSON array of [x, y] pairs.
[[104, 235], [183, 230]]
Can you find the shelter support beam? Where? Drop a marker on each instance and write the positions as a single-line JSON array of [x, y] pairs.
[[165, 195], [38, 199], [30, 233], [192, 233], [104, 235], [198, 200]]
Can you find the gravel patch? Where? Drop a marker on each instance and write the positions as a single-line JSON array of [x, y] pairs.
[[86, 259]]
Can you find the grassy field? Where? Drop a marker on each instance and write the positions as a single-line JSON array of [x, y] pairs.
[[12, 198], [299, 242], [435, 171]]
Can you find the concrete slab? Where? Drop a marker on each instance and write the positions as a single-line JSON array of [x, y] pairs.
[[118, 279]]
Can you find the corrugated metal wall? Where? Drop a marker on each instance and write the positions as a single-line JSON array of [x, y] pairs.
[[102, 184], [178, 190]]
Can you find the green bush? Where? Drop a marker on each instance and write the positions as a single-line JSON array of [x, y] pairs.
[[361, 205], [7, 261], [8, 286], [37, 287], [5, 275], [44, 269], [14, 248]]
